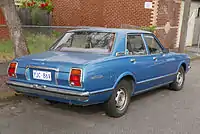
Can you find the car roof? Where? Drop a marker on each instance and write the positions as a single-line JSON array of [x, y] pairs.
[[113, 30]]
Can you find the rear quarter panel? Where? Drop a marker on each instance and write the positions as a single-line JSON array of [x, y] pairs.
[[104, 75]]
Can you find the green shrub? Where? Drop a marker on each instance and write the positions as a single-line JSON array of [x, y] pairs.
[[56, 33], [149, 28]]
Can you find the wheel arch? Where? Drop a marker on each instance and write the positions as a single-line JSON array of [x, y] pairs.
[[182, 64], [128, 76]]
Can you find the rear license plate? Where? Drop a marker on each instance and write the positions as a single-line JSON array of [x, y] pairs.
[[42, 75]]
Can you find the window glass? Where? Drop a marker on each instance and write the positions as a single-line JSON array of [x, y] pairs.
[[86, 41], [152, 44], [135, 45]]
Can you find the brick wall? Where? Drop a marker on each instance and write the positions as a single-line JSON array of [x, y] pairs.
[[113, 13], [117, 12], [110, 13], [4, 34], [167, 19]]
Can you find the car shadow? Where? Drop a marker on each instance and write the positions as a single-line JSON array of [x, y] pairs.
[[149, 93], [98, 108], [86, 110]]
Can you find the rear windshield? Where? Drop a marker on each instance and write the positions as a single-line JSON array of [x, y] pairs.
[[86, 41]]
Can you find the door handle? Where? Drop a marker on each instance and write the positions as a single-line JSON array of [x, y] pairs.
[[155, 59], [133, 60]]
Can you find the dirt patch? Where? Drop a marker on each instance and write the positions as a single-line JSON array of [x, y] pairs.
[[5, 91], [3, 86]]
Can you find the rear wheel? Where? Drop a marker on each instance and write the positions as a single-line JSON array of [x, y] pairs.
[[118, 104], [177, 85]]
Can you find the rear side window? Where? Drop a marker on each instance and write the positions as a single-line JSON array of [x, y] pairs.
[[152, 44], [135, 45]]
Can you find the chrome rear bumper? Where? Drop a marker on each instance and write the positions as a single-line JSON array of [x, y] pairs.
[[48, 91]]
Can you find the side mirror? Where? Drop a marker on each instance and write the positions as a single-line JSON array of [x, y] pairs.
[[166, 50]]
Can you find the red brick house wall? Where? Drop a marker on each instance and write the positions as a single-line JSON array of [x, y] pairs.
[[117, 12], [4, 34], [113, 13], [168, 13], [109, 13]]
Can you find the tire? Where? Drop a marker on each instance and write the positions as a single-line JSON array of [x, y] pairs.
[[177, 85], [122, 93]]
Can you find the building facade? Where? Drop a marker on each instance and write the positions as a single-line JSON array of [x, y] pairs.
[[164, 14], [193, 31]]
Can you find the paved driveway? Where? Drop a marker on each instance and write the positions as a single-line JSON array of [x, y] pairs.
[[157, 112]]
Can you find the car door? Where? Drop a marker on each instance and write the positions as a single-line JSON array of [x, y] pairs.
[[142, 64], [170, 60], [160, 58]]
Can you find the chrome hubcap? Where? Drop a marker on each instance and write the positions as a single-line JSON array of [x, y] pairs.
[[179, 78], [121, 99]]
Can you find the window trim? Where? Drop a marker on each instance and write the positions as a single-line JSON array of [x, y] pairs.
[[156, 39], [126, 40]]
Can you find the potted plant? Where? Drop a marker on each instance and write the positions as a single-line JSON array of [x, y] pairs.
[[25, 9], [46, 5], [40, 11]]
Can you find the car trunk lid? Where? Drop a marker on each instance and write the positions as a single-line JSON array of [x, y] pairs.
[[54, 65], [59, 60]]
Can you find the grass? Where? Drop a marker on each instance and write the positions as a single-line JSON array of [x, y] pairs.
[[37, 43]]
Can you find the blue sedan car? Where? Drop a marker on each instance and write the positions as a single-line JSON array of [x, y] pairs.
[[100, 65]]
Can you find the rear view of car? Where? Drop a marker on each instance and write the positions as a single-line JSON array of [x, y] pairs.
[[59, 73]]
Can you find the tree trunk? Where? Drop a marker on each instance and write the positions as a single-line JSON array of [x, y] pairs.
[[15, 28]]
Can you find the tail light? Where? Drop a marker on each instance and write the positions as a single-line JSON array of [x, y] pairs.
[[12, 68], [75, 77]]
